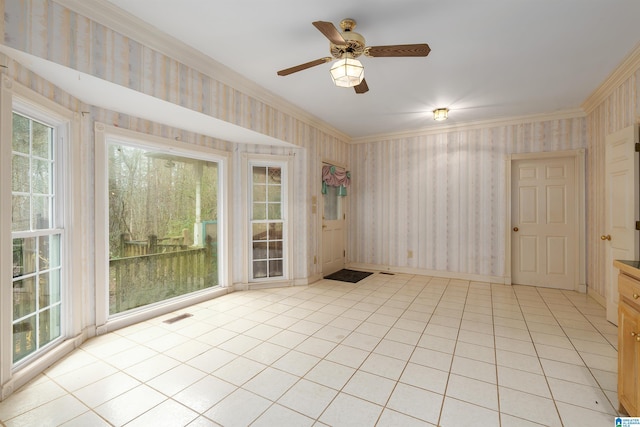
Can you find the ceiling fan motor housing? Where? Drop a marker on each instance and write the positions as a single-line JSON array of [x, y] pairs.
[[354, 43]]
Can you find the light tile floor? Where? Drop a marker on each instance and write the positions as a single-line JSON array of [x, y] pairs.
[[391, 350]]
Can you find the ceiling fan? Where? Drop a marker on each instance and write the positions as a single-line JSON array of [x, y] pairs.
[[348, 45]]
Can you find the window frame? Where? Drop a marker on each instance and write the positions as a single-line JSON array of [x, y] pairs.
[[104, 135], [17, 98], [57, 223], [285, 164]]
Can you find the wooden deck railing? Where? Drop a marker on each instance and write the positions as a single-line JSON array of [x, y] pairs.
[[153, 245], [135, 281]]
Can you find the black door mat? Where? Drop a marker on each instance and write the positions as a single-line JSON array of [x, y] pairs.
[[351, 276]]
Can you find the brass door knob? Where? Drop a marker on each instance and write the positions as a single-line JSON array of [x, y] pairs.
[[636, 296], [605, 237], [516, 229]]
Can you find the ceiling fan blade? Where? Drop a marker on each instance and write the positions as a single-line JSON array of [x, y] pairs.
[[304, 66], [330, 31], [362, 87], [421, 49]]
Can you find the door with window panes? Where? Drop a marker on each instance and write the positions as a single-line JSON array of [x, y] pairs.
[[267, 222], [333, 231], [37, 236]]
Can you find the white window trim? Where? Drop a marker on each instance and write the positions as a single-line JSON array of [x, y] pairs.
[[286, 163], [14, 96], [103, 135]]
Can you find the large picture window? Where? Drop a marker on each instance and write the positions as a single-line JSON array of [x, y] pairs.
[[267, 221], [163, 225], [37, 234]]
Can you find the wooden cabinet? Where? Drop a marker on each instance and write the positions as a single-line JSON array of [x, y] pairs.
[[628, 357], [629, 340]]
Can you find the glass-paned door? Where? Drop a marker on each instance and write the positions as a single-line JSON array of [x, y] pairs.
[[267, 222], [37, 236], [333, 231], [332, 204], [163, 226]]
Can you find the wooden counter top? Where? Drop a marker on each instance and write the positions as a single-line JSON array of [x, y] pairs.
[[631, 268]]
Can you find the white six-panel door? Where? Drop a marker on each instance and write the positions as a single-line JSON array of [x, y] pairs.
[[544, 221], [621, 209]]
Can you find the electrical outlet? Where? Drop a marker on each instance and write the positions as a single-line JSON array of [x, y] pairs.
[[409, 254], [315, 259]]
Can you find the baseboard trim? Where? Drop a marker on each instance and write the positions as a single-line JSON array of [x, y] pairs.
[[597, 298], [434, 273], [262, 285], [305, 281], [22, 376], [309, 280]]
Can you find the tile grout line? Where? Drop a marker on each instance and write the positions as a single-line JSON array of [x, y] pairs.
[[543, 297], [576, 350], [495, 353], [455, 346]]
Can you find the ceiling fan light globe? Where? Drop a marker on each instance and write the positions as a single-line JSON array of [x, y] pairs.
[[347, 72]]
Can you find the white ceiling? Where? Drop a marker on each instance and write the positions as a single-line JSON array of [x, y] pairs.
[[490, 59]]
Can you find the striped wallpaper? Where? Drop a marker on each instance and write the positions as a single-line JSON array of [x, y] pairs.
[[440, 196], [443, 196], [46, 29], [619, 110]]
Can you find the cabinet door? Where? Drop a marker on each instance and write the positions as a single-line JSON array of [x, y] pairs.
[[628, 324]]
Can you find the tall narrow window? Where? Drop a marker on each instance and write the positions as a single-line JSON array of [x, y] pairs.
[[37, 236], [163, 226], [267, 221]]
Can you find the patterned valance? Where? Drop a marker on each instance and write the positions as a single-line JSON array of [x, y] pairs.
[[335, 177]]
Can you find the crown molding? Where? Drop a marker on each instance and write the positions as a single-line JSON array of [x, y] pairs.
[[112, 17], [480, 124], [130, 26], [624, 71]]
